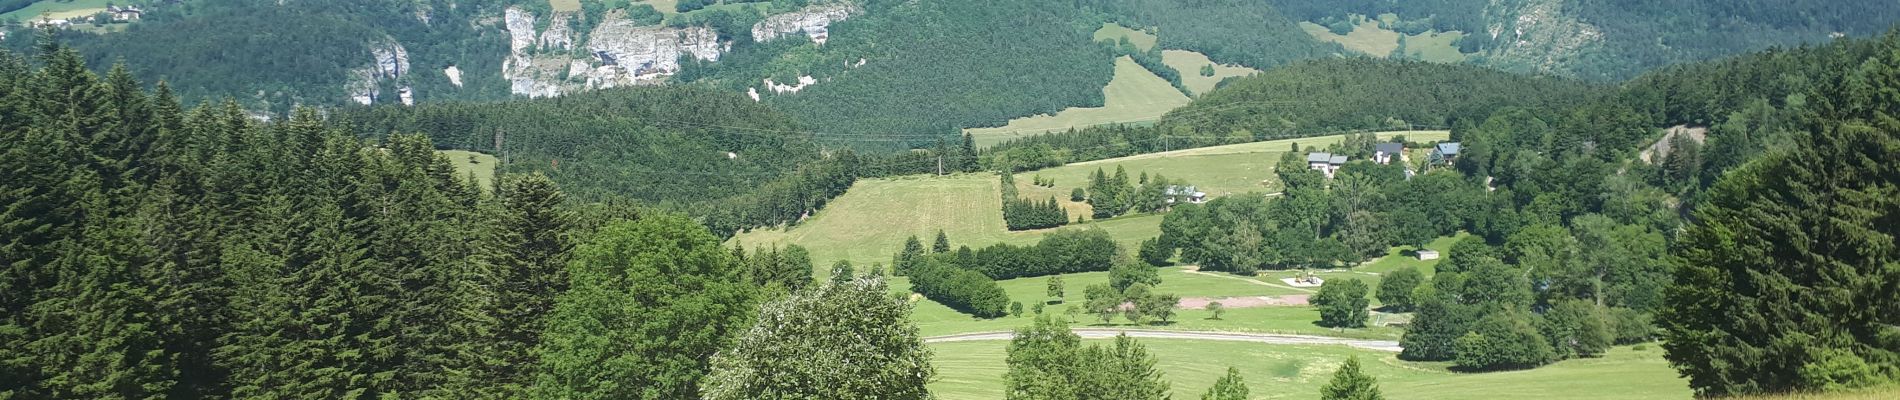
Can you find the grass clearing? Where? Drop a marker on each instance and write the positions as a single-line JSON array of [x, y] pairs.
[[565, 5], [1135, 94], [668, 7], [469, 162], [1367, 37], [1189, 64], [1395, 259], [1112, 32], [671, 8], [58, 10], [974, 370]]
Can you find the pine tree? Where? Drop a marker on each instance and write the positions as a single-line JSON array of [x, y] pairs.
[[1229, 387], [967, 155], [532, 269], [942, 245], [1349, 383]]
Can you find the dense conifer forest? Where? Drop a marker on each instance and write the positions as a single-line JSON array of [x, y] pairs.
[[150, 248]]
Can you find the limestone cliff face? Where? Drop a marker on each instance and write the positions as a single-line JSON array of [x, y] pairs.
[[389, 62], [1537, 35], [813, 21], [617, 52]]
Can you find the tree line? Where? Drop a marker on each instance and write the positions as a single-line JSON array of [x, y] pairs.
[[155, 251], [1026, 214]]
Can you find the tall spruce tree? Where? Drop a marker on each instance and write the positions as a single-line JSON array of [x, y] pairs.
[[1786, 278]]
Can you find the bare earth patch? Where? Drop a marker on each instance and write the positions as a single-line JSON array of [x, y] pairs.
[[1196, 303]]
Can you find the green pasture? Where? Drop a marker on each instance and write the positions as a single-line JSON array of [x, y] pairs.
[[1189, 64], [974, 370], [58, 10], [482, 166], [1367, 37], [1112, 32]]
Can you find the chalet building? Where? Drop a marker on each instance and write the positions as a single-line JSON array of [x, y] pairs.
[[1445, 153], [125, 14], [1327, 163], [1388, 153], [1188, 194]]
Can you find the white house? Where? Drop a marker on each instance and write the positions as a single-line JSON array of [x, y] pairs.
[[1327, 163], [1387, 153], [1424, 255], [127, 13], [1184, 193]]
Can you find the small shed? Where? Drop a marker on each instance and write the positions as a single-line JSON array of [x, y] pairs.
[[1424, 255]]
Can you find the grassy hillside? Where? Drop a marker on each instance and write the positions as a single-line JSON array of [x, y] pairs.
[[1369, 38], [57, 10], [1135, 95], [1219, 170], [1190, 63], [974, 370], [870, 222]]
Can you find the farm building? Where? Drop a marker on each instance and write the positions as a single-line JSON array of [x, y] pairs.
[[1426, 255], [1387, 153]]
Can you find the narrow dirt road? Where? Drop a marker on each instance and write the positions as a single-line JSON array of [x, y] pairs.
[[1256, 282], [1105, 333]]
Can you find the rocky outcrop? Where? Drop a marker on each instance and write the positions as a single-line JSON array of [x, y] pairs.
[[454, 74], [1537, 35], [389, 62], [780, 88], [813, 21], [618, 52]]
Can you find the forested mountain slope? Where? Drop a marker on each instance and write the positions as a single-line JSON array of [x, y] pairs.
[[1614, 39]]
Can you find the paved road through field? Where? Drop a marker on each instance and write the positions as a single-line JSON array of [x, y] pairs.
[[1105, 333]]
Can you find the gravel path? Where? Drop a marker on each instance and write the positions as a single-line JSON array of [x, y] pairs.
[[1106, 333]]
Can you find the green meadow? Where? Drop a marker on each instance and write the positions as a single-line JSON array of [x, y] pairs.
[[58, 10], [467, 163], [1367, 37], [1189, 64], [1112, 32]]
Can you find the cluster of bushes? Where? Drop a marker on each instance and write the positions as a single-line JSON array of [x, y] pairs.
[[1115, 195], [1130, 294], [1484, 314], [1024, 214], [961, 289]]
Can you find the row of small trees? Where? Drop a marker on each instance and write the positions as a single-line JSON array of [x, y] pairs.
[[1025, 214]]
